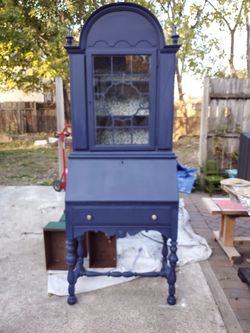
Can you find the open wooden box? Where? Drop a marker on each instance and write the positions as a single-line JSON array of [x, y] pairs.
[[100, 248]]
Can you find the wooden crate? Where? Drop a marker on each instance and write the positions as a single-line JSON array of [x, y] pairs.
[[54, 245], [101, 249]]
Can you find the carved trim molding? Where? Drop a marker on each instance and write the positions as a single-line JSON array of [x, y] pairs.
[[121, 44]]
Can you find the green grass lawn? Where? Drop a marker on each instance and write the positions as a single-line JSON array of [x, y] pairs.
[[21, 163]]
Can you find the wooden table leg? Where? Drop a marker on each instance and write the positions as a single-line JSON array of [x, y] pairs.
[[222, 224], [227, 236]]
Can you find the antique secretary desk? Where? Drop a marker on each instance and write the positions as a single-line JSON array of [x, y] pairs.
[[122, 172]]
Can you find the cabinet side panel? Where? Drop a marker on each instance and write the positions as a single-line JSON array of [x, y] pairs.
[[166, 72], [78, 101]]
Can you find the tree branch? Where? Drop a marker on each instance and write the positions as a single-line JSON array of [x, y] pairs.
[[167, 11], [198, 15], [221, 16], [239, 15]]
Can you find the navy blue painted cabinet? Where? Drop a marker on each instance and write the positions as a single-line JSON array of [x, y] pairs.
[[122, 172]]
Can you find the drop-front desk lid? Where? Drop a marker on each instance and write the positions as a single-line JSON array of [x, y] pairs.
[[121, 180]]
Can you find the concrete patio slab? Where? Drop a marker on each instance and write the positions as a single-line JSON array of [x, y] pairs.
[[137, 306]]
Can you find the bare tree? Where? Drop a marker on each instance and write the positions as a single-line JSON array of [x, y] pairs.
[[224, 16], [188, 23]]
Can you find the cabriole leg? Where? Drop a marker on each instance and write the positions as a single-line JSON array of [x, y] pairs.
[[71, 259], [172, 275], [80, 255]]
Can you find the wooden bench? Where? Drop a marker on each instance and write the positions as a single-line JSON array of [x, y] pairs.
[[229, 211]]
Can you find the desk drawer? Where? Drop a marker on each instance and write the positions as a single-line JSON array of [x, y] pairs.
[[120, 215]]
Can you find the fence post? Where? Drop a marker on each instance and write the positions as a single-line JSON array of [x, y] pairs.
[[60, 119], [204, 123]]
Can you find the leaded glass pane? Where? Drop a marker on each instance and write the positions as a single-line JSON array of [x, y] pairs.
[[121, 99], [104, 136], [140, 136], [122, 136]]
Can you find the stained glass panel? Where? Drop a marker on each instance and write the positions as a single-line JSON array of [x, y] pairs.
[[121, 99]]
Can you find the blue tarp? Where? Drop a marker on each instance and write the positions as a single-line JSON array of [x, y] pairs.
[[186, 177]]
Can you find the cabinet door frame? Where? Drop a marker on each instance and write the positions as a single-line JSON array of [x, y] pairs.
[[152, 99]]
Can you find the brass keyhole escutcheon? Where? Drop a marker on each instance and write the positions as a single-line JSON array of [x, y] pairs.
[[154, 217]]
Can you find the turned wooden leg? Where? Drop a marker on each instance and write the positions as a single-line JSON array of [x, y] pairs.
[[71, 259], [164, 255], [80, 256], [172, 275]]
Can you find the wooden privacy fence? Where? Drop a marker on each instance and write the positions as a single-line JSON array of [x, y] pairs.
[[225, 114], [189, 124], [32, 117], [27, 117]]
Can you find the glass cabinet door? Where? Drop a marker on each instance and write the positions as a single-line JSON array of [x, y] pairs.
[[121, 99]]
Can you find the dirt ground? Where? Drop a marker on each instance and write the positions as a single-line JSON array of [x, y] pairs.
[[22, 163], [186, 150]]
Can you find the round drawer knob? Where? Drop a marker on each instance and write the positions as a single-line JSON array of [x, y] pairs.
[[89, 217], [154, 217]]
